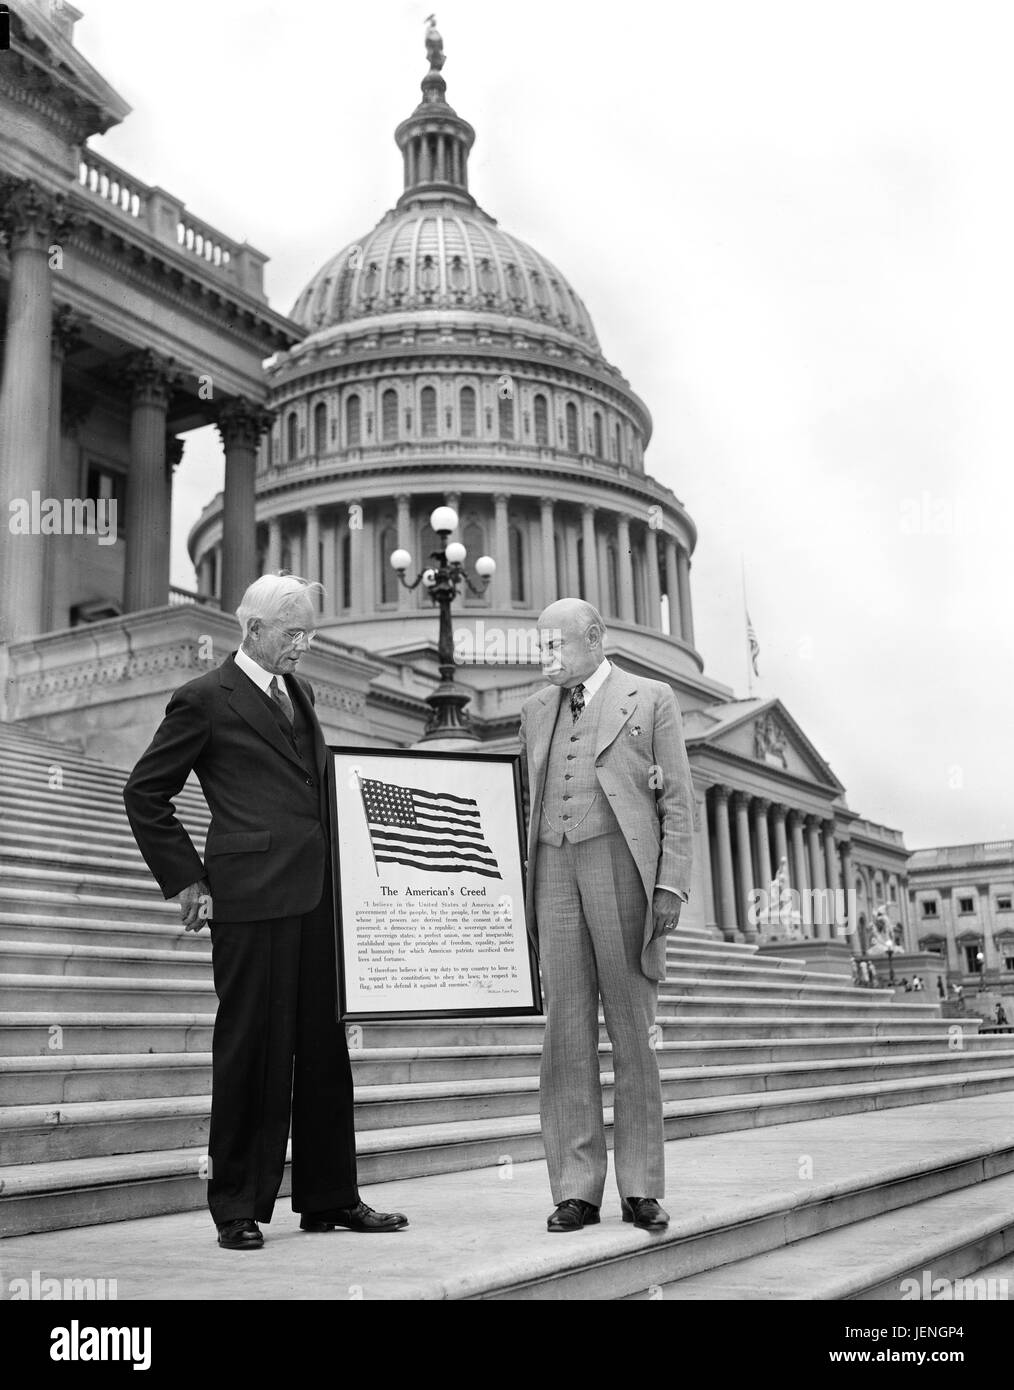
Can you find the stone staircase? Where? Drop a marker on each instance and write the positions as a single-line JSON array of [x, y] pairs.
[[107, 1007]]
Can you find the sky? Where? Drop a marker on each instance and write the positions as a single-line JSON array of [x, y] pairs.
[[792, 226]]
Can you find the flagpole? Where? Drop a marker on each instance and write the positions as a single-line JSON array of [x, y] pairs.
[[359, 780]]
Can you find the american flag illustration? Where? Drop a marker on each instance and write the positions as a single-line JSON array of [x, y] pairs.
[[435, 831]]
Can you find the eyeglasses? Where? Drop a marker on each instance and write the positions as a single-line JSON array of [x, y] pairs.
[[294, 634]]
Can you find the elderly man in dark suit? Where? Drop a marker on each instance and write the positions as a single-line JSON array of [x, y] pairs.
[[609, 855], [249, 732]]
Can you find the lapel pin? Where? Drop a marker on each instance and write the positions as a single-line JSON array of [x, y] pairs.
[[635, 730]]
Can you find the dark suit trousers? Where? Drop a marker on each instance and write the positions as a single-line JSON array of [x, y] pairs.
[[278, 1051]]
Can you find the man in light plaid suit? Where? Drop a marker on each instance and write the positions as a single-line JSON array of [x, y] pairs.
[[609, 856]]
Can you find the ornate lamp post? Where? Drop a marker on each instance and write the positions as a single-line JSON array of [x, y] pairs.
[[443, 580], [980, 961]]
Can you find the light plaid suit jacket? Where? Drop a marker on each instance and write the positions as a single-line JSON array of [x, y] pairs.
[[641, 764]]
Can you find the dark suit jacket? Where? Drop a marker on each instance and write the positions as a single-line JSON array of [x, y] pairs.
[[268, 840]]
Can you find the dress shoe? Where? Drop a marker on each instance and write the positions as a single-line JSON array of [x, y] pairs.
[[645, 1212], [572, 1214], [242, 1234], [357, 1218]]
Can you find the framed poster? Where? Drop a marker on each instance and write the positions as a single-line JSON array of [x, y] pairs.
[[428, 858]]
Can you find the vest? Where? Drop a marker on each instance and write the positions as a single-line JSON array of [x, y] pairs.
[[574, 806]]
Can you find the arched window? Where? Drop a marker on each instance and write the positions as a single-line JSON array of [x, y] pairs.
[[516, 548], [640, 596], [597, 438], [389, 414], [573, 446], [506, 405], [618, 445], [561, 564], [353, 421], [541, 420], [388, 578], [466, 404], [474, 542], [291, 436], [319, 428], [428, 412], [580, 568]]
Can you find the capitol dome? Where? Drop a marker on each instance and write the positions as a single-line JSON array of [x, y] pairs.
[[448, 256]]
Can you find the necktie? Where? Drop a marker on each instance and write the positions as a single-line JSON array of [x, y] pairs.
[[281, 698], [576, 701]]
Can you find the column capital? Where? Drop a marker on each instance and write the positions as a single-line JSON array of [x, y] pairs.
[[741, 798], [589, 508], [845, 846], [547, 503], [68, 326], [761, 806], [827, 824], [403, 499], [813, 822], [778, 810], [241, 423], [721, 792], [31, 215], [151, 378], [501, 499]]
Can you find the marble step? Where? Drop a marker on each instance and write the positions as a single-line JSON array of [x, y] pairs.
[[31, 787], [71, 1079], [734, 1194], [681, 982], [51, 867], [41, 1133], [81, 962], [49, 929], [24, 892], [895, 1255], [33, 1033], [31, 820], [68, 848]]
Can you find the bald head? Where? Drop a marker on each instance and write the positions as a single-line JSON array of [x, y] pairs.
[[571, 641]]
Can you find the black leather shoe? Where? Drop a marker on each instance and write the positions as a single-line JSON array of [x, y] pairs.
[[242, 1234], [645, 1212], [357, 1218], [572, 1214]]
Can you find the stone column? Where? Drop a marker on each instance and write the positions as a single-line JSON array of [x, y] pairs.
[[273, 563], [205, 575], [591, 558], [781, 846], [741, 803], [815, 864], [798, 868], [672, 588], [549, 594], [762, 850], [704, 851], [330, 566], [726, 883], [356, 561], [654, 579], [626, 568], [686, 610], [66, 335], [502, 553], [146, 570], [240, 423], [602, 540], [404, 502], [831, 874], [847, 883], [570, 564], [31, 220], [312, 561]]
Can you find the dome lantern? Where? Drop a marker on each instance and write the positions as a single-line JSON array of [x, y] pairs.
[[434, 140]]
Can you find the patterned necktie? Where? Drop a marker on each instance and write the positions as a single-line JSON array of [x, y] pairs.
[[576, 701], [281, 698]]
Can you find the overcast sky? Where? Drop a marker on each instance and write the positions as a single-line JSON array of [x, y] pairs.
[[793, 225]]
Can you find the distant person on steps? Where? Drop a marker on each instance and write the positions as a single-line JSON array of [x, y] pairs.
[[249, 731]]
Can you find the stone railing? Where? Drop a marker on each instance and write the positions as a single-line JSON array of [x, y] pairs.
[[166, 218], [985, 852]]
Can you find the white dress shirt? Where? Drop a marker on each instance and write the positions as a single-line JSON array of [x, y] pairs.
[[261, 678]]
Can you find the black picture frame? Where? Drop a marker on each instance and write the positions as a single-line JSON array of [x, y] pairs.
[[351, 1008]]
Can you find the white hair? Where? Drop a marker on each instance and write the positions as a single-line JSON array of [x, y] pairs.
[[267, 596]]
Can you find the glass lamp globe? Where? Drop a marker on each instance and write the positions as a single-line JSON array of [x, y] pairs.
[[444, 519], [455, 553], [429, 578], [400, 560], [485, 566]]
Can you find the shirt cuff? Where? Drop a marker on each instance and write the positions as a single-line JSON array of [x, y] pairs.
[[681, 893]]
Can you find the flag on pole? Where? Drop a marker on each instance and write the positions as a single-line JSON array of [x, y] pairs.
[[752, 643], [435, 831]]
